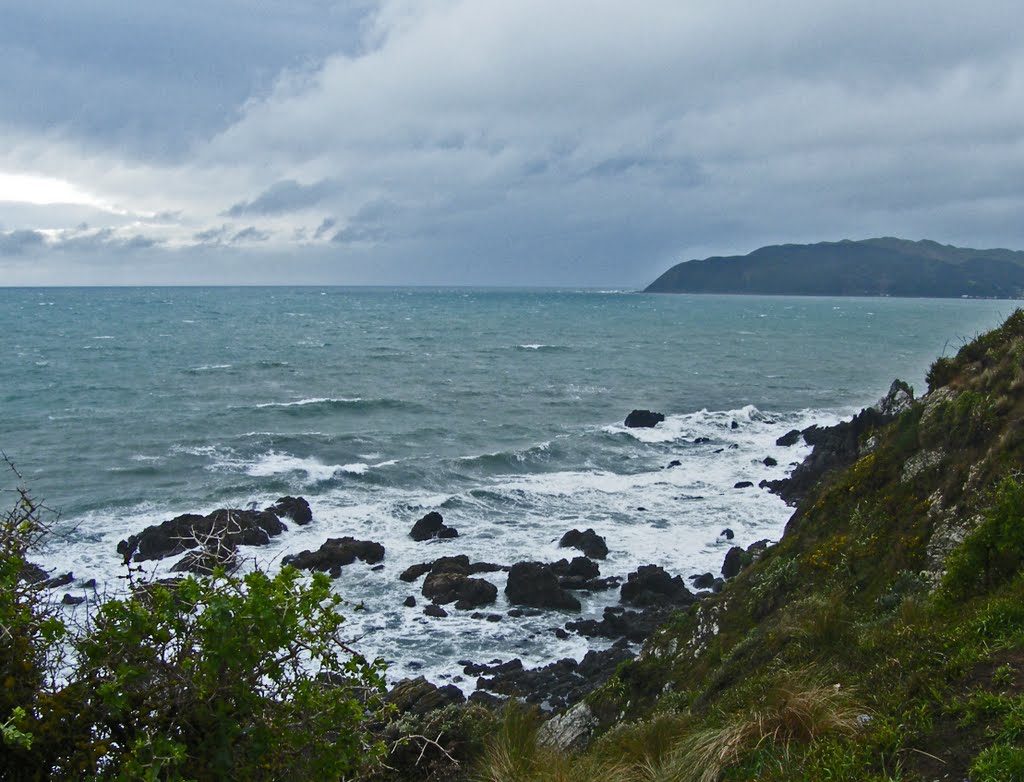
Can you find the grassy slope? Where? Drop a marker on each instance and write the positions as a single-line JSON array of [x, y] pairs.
[[849, 652]]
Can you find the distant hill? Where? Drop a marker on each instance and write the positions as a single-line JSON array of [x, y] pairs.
[[870, 267]]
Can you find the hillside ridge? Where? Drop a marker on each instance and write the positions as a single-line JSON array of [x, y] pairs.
[[884, 266]]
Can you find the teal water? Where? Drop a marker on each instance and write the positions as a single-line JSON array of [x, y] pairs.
[[503, 409]]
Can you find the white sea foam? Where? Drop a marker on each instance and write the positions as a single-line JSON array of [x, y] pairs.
[[321, 400]]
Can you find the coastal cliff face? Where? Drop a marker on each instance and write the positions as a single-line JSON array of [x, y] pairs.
[[883, 636]]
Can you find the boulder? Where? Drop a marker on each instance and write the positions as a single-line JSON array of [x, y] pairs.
[[651, 585], [588, 541], [432, 526], [743, 485], [789, 438], [561, 683], [435, 611], [643, 419], [727, 533], [335, 553], [569, 732], [733, 562], [418, 696], [294, 508], [59, 581], [535, 584], [71, 600], [703, 581], [635, 626], [465, 592], [579, 567], [229, 526], [413, 572], [769, 462], [410, 602]]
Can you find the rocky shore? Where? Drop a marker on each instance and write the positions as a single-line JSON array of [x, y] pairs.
[[647, 596]]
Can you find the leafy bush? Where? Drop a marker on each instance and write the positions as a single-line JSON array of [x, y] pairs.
[[940, 373], [994, 551], [228, 677]]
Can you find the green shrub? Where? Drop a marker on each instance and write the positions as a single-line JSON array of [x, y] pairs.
[[1000, 763], [940, 373], [227, 677], [994, 552]]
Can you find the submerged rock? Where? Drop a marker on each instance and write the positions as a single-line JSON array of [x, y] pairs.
[[643, 419]]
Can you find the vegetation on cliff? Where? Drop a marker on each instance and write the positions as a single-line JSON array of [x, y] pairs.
[[870, 267], [883, 637]]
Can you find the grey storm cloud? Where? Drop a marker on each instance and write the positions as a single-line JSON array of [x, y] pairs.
[[285, 196], [20, 241], [250, 234], [479, 145]]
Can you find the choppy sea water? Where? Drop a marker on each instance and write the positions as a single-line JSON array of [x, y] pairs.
[[501, 409]]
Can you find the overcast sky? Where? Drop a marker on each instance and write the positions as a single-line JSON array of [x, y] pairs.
[[494, 142]]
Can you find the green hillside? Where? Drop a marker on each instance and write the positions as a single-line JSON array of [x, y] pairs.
[[871, 267]]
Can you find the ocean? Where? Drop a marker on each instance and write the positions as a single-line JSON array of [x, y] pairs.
[[502, 409]]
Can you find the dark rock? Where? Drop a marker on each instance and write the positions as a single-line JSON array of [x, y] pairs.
[[641, 508], [579, 567], [643, 419], [535, 584], [734, 425], [650, 585], [703, 581], [727, 533], [485, 699], [560, 633], [733, 562], [736, 559], [635, 626], [495, 667], [435, 611], [701, 440], [294, 508], [71, 600], [418, 696], [789, 438], [335, 553], [769, 462], [837, 447], [588, 541], [432, 526], [31, 573], [515, 613], [457, 564], [465, 592], [743, 485], [229, 526], [58, 581], [410, 602], [413, 572], [561, 683], [494, 617], [674, 463], [377, 568], [90, 584]]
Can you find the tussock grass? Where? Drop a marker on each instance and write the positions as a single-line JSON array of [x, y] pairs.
[[797, 707]]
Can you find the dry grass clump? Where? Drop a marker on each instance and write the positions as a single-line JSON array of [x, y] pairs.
[[798, 707], [513, 754]]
